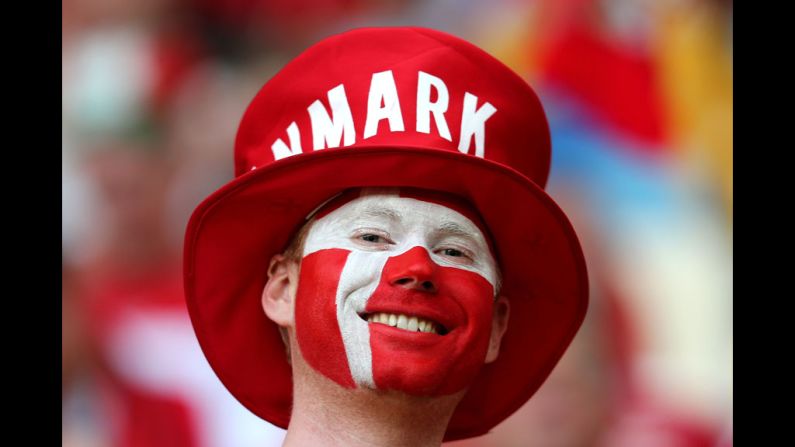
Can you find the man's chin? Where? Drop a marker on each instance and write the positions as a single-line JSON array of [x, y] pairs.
[[426, 365], [410, 383], [406, 395]]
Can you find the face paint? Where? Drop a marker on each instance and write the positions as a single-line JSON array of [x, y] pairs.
[[418, 265]]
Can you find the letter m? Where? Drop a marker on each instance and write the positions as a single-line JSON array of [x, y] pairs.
[[327, 131]]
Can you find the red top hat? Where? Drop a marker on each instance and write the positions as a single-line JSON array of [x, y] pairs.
[[387, 107]]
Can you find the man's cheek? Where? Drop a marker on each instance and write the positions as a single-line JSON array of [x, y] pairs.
[[316, 325], [477, 298]]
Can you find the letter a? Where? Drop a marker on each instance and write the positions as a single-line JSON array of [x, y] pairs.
[[382, 89]]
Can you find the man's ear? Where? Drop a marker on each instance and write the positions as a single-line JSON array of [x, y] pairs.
[[278, 296], [499, 324]]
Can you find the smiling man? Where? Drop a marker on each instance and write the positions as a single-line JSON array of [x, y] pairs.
[[406, 281], [390, 291]]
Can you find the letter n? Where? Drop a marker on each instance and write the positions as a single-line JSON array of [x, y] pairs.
[[280, 150]]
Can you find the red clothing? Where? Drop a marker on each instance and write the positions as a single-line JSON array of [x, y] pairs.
[[132, 414], [109, 412]]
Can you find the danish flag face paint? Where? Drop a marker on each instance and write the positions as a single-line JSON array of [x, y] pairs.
[[396, 293]]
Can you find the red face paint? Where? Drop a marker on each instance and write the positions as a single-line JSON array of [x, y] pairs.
[[316, 326], [429, 363]]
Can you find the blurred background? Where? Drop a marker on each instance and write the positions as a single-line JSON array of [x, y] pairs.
[[639, 99]]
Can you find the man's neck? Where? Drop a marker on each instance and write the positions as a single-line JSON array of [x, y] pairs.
[[326, 414]]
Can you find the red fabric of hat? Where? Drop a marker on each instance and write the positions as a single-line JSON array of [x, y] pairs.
[[387, 107]]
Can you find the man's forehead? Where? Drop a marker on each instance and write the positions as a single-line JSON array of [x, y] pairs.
[[403, 210], [448, 213], [385, 203]]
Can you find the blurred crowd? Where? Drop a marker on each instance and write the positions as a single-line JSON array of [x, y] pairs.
[[639, 99]]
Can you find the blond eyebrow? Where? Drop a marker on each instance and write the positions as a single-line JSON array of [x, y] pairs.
[[454, 229], [378, 211]]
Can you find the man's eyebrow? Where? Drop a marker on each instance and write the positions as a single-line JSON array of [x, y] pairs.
[[454, 229], [379, 211]]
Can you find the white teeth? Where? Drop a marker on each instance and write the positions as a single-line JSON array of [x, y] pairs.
[[412, 325], [401, 321]]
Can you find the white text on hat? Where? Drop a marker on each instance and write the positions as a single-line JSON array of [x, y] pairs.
[[328, 131]]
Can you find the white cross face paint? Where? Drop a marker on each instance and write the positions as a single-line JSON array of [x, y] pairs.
[[396, 292]]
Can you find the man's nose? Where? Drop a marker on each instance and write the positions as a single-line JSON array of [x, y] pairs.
[[413, 269]]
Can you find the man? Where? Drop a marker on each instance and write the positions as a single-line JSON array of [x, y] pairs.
[[386, 268]]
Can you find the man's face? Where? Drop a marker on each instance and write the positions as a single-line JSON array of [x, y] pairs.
[[396, 292]]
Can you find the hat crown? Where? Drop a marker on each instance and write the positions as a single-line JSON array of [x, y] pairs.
[[396, 87]]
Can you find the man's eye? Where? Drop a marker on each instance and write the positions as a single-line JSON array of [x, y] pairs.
[[461, 255], [452, 252], [371, 238]]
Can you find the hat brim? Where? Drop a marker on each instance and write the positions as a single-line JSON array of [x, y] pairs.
[[233, 234]]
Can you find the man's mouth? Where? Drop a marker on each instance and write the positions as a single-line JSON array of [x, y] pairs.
[[409, 323]]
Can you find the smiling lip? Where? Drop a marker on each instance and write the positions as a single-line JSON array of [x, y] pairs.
[[410, 323]]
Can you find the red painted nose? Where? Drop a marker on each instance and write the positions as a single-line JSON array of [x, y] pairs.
[[413, 269]]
